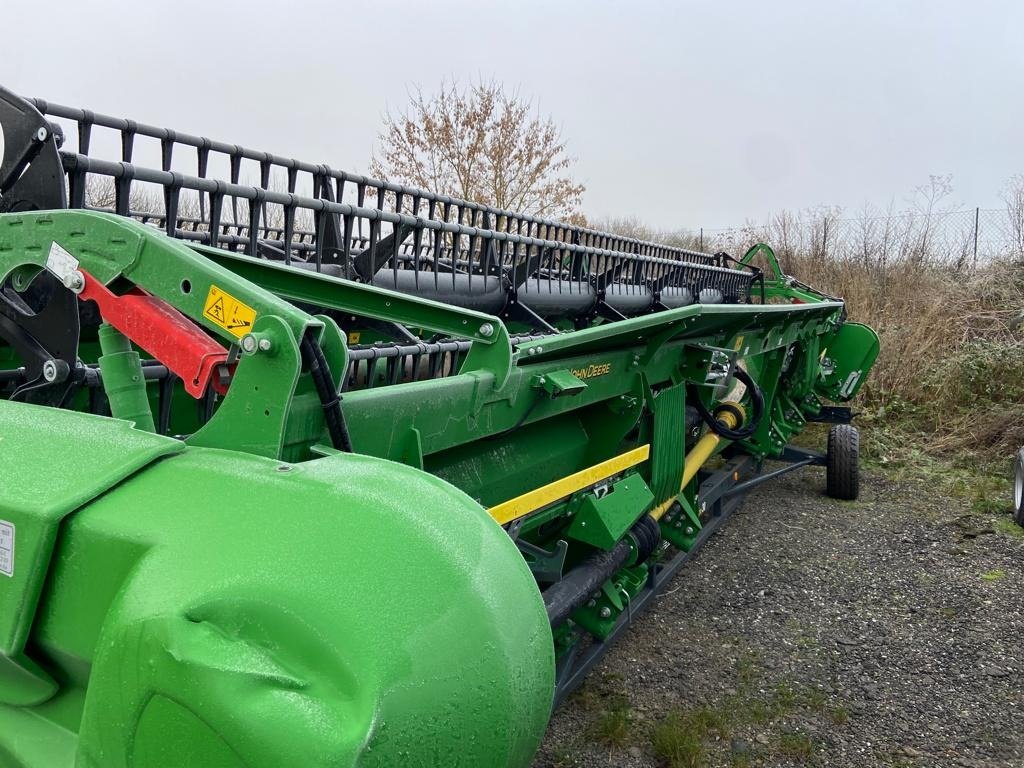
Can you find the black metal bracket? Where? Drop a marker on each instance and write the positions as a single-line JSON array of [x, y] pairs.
[[795, 455], [547, 567], [834, 414], [31, 173], [42, 326], [516, 310]]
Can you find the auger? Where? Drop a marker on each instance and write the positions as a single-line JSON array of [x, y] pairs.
[[304, 468]]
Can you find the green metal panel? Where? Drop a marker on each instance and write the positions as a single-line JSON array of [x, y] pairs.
[[345, 611], [708, 321], [850, 352], [602, 520], [668, 442], [57, 461]]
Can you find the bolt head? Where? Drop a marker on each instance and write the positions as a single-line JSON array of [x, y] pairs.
[[487, 329], [50, 370], [249, 344], [264, 345], [606, 612], [42, 134]]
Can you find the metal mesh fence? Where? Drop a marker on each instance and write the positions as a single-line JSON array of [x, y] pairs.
[[958, 238]]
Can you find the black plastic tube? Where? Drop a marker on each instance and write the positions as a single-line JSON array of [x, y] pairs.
[[575, 588], [756, 397], [330, 399]]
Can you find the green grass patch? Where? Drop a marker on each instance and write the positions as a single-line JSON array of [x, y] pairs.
[[997, 575], [678, 741], [1007, 526], [784, 698], [982, 480], [797, 746], [746, 668], [612, 726], [564, 757], [839, 715]]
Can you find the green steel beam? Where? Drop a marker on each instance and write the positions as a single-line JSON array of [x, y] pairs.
[[492, 349]]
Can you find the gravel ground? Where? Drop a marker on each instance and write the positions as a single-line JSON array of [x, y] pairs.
[[883, 632]]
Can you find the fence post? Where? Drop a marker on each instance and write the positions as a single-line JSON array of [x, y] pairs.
[[701, 238], [977, 215], [824, 237]]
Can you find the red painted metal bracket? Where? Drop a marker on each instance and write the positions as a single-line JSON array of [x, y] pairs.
[[163, 332]]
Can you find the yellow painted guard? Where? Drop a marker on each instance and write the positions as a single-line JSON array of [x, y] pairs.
[[559, 489]]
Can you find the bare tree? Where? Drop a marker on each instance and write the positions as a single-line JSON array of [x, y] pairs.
[[100, 193], [482, 144], [929, 203]]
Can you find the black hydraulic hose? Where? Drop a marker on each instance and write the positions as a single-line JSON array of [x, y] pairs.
[[330, 399], [575, 588], [756, 397], [565, 596]]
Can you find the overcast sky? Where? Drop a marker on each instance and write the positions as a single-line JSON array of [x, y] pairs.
[[683, 114]]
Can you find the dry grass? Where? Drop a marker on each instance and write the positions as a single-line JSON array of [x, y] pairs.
[[951, 370]]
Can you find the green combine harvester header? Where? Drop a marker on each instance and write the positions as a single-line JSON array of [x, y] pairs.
[[302, 468]]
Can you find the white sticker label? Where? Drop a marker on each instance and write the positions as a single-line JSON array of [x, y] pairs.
[[851, 382], [61, 263], [6, 548]]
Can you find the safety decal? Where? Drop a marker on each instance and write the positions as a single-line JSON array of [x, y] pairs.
[[6, 548], [229, 313]]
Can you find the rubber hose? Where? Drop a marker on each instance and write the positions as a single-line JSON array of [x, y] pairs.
[[565, 596], [330, 399], [756, 397]]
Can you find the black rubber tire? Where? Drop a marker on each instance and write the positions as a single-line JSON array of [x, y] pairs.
[[842, 467], [1018, 488]]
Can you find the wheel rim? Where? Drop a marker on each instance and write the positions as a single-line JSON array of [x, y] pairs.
[[1018, 486]]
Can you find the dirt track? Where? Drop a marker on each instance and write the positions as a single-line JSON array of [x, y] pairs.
[[883, 632]]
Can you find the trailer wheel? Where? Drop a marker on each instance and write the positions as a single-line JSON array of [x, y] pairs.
[[842, 468], [1018, 488]]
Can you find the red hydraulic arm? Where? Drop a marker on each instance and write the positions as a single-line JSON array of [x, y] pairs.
[[163, 332]]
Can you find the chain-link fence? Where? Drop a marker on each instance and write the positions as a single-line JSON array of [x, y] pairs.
[[960, 238]]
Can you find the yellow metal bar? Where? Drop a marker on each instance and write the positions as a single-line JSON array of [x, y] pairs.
[[696, 459], [559, 489]]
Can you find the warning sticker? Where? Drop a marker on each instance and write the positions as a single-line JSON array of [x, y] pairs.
[[228, 312], [6, 548], [61, 263]]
